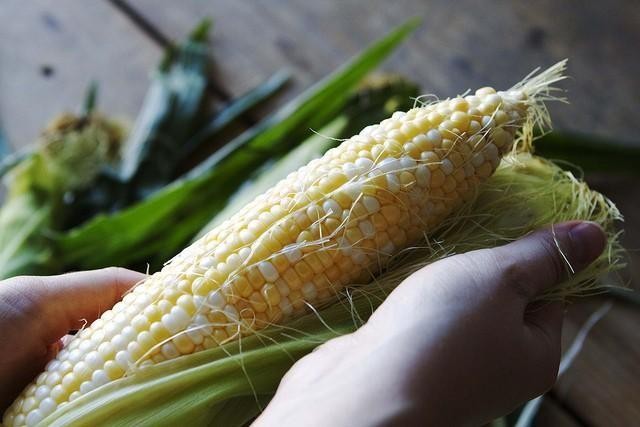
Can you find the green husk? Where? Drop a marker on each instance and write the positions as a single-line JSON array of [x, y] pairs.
[[230, 385], [67, 157], [138, 233]]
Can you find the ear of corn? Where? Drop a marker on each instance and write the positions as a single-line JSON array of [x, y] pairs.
[[228, 385], [332, 223]]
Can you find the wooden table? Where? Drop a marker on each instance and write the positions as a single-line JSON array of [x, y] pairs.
[[51, 50]]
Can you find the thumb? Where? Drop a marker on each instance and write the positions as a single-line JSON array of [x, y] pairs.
[[61, 303]]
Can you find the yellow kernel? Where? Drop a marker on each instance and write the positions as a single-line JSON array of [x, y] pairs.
[[291, 277], [407, 179], [485, 170], [159, 332], [437, 178], [354, 235], [449, 184], [184, 344], [242, 287], [304, 271], [324, 258], [314, 262], [333, 273], [412, 149], [393, 147], [409, 129], [379, 222], [459, 104], [434, 118], [280, 262], [257, 302], [113, 370], [271, 294], [255, 278], [391, 213]]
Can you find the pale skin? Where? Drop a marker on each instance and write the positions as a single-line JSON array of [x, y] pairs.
[[458, 343]]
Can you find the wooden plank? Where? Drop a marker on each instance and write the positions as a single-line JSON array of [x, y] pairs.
[[552, 414], [602, 385], [459, 46], [51, 51]]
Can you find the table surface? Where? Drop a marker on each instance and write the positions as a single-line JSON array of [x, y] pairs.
[[51, 50]]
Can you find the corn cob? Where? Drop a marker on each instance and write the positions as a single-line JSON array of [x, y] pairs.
[[332, 223]]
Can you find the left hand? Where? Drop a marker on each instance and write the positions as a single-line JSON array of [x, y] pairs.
[[36, 312]]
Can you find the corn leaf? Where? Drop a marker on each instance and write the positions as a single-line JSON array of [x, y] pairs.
[[136, 233]]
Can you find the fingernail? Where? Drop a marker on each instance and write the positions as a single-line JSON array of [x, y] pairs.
[[587, 240]]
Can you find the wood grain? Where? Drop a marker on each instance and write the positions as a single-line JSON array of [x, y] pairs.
[[601, 386], [551, 414], [51, 50], [458, 46]]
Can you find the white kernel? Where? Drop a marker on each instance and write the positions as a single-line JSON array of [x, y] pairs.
[[244, 254], [367, 228], [94, 360], [350, 170], [407, 163], [393, 183], [423, 175], [309, 291], [100, 377], [176, 320], [268, 271], [73, 396], [42, 392], [359, 257], [216, 299], [196, 336], [34, 417], [387, 165], [220, 253], [47, 406], [285, 306], [52, 365], [74, 356], [387, 249], [207, 262], [123, 358], [231, 312], [371, 204], [283, 288], [169, 350], [332, 208], [474, 127], [434, 136], [352, 189], [128, 333], [234, 261], [364, 165], [292, 252], [488, 122], [447, 167], [86, 387], [118, 342]]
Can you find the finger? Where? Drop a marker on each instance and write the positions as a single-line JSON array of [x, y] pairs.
[[65, 302], [542, 259]]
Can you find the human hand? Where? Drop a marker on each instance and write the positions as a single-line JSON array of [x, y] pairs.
[[460, 342], [36, 312]]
